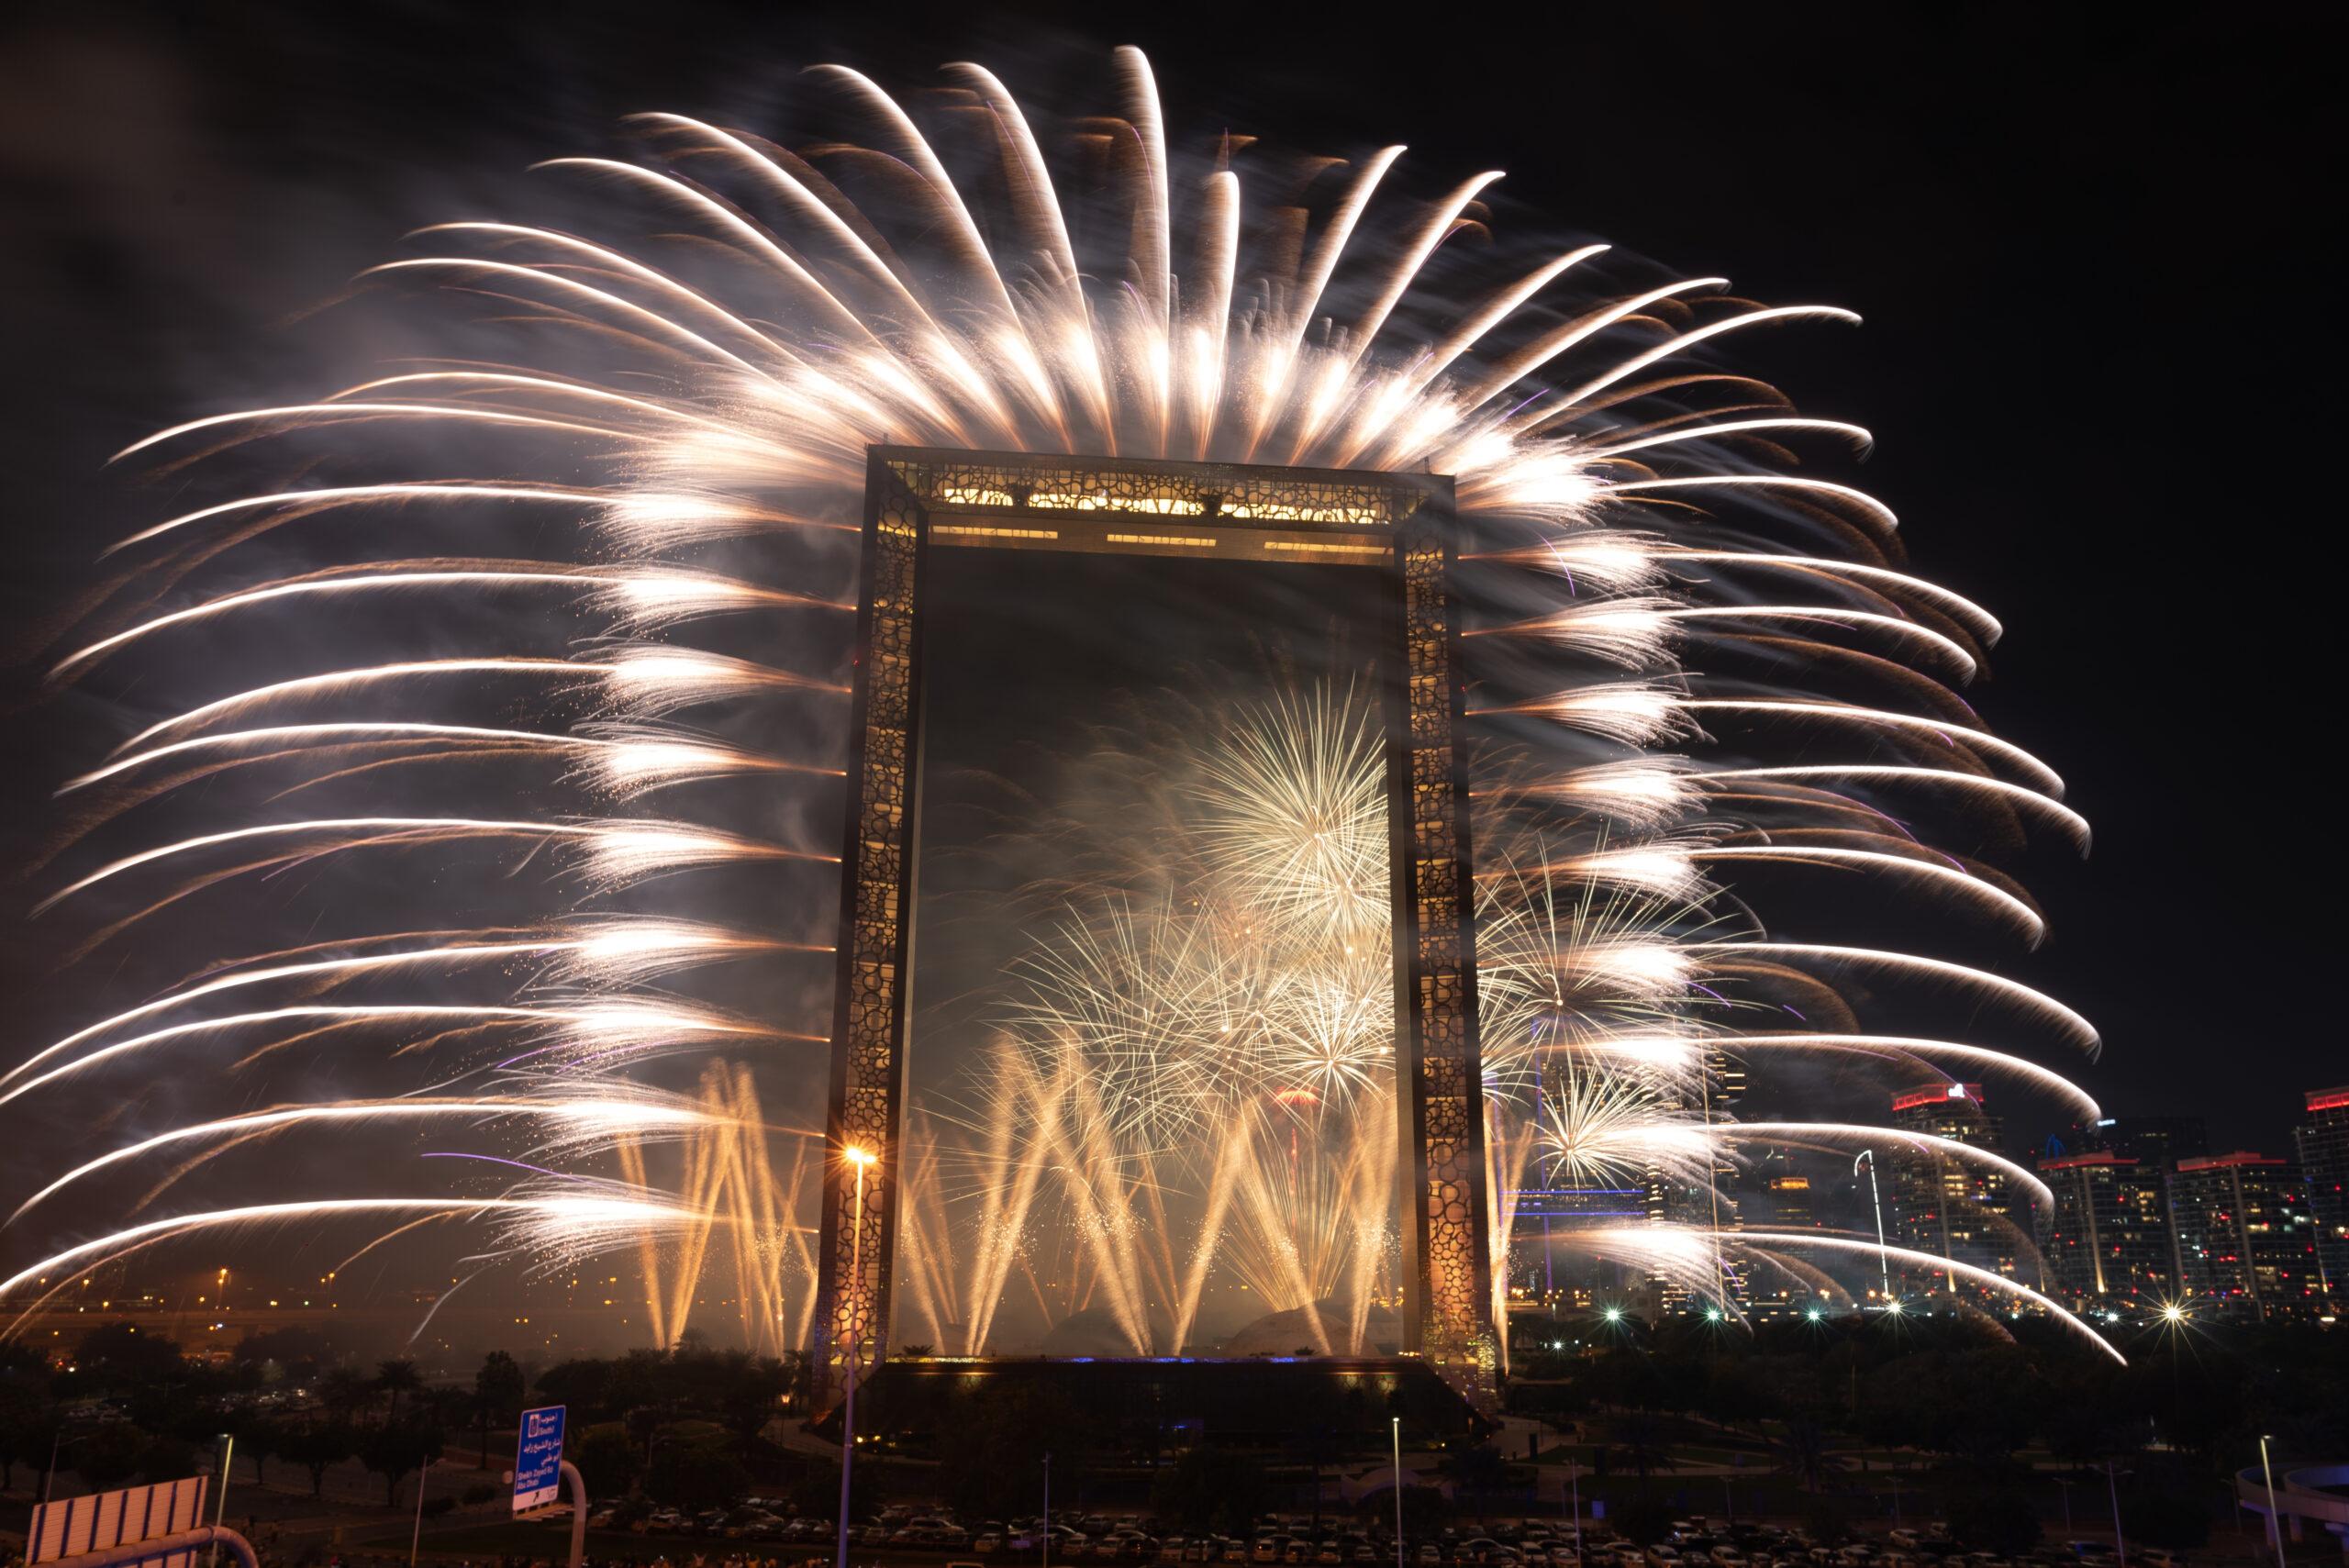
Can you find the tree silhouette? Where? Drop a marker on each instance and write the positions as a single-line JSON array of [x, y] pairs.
[[344, 1390], [318, 1449], [497, 1394], [396, 1378], [395, 1452]]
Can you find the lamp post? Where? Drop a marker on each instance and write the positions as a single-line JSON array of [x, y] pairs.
[[1048, 1509], [1876, 1196], [1574, 1479], [2174, 1321], [862, 1158], [2066, 1485], [220, 1513], [2112, 1488], [416, 1536], [2275, 1520], [1398, 1424]]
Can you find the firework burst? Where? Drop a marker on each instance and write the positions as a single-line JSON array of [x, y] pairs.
[[672, 466]]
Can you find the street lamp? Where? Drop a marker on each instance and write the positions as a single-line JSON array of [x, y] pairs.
[[1398, 1424], [1876, 1196], [2113, 1488], [862, 1159], [1574, 1479], [415, 1537], [2275, 1520], [220, 1514]]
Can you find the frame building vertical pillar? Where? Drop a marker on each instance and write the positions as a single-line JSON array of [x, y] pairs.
[[1447, 1315], [870, 1010]]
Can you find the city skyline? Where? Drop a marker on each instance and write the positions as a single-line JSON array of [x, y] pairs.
[[2122, 1086]]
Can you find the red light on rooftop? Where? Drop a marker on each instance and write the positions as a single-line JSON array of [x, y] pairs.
[[1940, 1094], [2329, 1099], [2074, 1162]]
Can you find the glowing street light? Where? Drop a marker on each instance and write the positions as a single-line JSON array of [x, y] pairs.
[[1876, 1196]]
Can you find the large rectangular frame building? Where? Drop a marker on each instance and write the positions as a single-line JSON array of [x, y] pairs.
[[920, 500]]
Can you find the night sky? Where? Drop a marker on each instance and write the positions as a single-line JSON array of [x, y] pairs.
[[2082, 252]]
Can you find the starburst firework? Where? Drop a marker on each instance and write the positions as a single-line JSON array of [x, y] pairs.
[[698, 411]]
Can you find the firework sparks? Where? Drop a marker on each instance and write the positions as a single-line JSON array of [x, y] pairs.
[[1233, 1045]]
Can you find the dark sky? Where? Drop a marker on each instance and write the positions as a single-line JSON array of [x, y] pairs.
[[2081, 249]]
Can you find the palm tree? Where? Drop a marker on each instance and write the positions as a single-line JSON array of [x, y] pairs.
[[1641, 1437], [497, 1394], [1802, 1453], [396, 1378], [342, 1391]]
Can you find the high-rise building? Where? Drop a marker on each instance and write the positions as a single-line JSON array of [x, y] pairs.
[[2323, 1144], [2158, 1142], [2245, 1242], [1550, 1267], [1789, 1200], [1944, 1204], [2106, 1238], [1713, 1099]]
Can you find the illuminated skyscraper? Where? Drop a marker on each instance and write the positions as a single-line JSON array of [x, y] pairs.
[[1947, 1206], [2158, 1142], [2106, 1239], [2323, 1144], [2245, 1242]]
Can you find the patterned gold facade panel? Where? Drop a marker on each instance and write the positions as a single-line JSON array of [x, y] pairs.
[[852, 1289], [1454, 1325], [984, 482]]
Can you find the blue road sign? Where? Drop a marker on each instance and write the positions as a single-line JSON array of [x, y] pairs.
[[538, 1459]]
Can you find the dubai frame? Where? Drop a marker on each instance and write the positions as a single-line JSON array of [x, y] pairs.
[[923, 505]]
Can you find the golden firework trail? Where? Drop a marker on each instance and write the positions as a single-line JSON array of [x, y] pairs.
[[1701, 671]]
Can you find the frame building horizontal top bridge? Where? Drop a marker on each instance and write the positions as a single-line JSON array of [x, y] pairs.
[[921, 502]]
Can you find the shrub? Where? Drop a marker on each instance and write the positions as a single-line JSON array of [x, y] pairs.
[[1642, 1519], [1998, 1520]]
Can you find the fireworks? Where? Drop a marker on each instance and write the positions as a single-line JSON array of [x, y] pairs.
[[670, 469]]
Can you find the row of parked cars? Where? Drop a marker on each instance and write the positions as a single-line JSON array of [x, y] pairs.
[[1699, 1543], [1693, 1542]]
